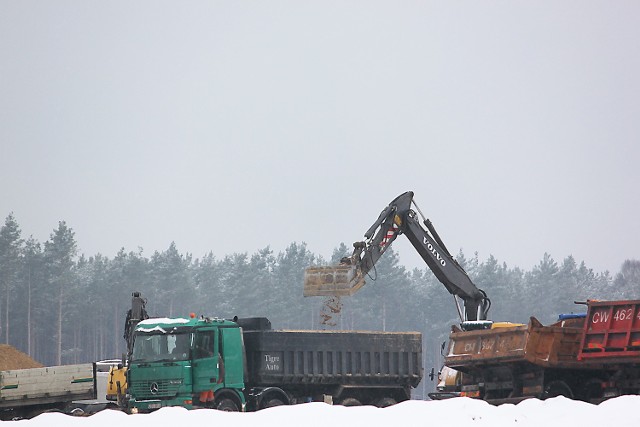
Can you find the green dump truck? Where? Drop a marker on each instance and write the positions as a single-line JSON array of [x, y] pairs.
[[244, 365]]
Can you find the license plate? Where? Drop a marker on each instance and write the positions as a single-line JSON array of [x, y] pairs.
[[154, 406]]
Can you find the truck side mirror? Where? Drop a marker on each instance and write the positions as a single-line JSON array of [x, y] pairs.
[[432, 374]]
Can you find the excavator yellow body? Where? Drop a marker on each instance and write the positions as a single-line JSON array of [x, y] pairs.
[[117, 383]]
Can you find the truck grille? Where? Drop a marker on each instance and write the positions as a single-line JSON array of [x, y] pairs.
[[155, 389]]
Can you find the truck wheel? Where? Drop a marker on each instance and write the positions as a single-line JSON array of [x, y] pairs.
[[558, 388], [77, 412], [350, 401], [385, 401], [592, 391], [270, 403], [227, 405]]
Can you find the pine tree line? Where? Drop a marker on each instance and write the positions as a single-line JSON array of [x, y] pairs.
[[63, 308]]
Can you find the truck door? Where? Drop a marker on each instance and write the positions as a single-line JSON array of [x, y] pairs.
[[205, 360], [233, 357]]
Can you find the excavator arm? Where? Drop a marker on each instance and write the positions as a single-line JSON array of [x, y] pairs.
[[117, 380], [135, 315], [396, 219]]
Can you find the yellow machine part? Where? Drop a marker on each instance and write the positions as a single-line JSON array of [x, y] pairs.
[[340, 280], [496, 325], [117, 376], [448, 379]]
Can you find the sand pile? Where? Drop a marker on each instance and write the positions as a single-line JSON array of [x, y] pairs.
[[11, 358]]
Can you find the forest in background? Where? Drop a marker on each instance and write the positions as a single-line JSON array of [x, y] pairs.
[[61, 307]]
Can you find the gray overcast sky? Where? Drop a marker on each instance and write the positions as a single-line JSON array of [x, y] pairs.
[[232, 125]]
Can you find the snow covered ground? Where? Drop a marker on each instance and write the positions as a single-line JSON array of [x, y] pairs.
[[619, 412]]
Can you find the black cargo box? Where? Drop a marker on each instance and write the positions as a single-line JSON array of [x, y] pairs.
[[253, 323], [333, 357]]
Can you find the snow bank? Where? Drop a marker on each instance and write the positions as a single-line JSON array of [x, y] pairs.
[[559, 411]]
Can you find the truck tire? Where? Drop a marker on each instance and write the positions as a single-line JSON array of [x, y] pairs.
[[270, 403], [592, 391], [227, 405], [350, 401], [557, 388], [385, 401]]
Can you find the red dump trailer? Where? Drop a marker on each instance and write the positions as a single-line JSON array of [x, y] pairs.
[[591, 357]]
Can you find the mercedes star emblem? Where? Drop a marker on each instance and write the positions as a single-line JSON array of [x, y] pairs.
[[154, 388]]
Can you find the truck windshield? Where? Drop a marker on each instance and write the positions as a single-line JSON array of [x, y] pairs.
[[161, 347]]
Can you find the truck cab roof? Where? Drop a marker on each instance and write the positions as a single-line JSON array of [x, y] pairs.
[[166, 324]]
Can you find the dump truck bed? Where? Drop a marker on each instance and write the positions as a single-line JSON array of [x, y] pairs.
[[556, 345], [333, 357]]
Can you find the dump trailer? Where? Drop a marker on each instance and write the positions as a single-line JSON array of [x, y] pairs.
[[25, 393], [590, 357], [245, 365], [374, 368]]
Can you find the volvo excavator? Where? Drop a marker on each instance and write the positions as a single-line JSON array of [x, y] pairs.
[[399, 217], [589, 356]]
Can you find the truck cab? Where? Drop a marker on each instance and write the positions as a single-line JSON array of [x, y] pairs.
[[195, 362]]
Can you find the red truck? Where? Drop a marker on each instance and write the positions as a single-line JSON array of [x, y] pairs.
[[591, 357]]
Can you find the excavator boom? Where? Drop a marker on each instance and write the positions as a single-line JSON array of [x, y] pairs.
[[398, 218]]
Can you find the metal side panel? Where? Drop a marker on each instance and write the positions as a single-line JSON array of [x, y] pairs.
[[486, 346], [63, 383], [333, 357]]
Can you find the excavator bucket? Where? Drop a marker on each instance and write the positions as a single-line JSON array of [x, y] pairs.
[[340, 280]]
